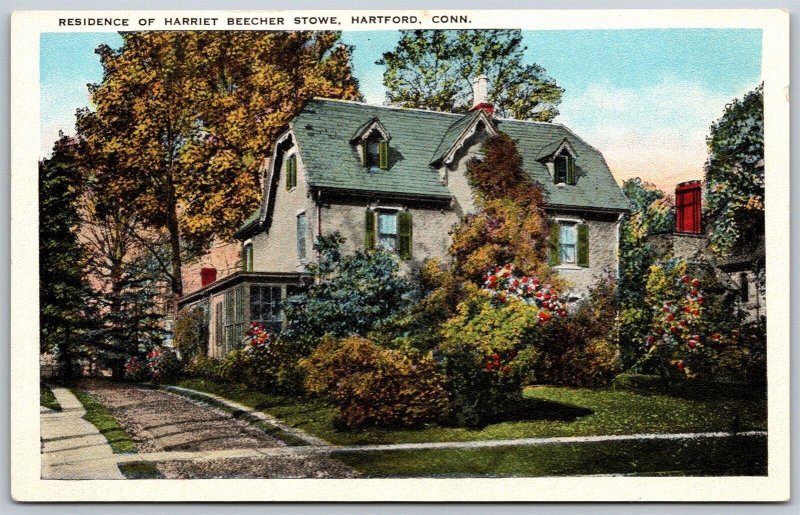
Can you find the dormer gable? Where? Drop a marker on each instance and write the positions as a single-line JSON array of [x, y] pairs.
[[372, 140], [460, 132], [559, 157]]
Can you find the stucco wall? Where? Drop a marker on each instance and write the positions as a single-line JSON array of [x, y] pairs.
[[603, 254], [276, 250], [431, 225]]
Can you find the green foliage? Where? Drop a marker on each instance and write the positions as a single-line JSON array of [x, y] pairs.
[[510, 225], [191, 333], [651, 213], [47, 399], [164, 365], [62, 259], [582, 349], [352, 294], [735, 171], [374, 386], [434, 69], [486, 354]]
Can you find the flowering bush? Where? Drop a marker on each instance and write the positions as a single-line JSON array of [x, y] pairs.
[[163, 364], [503, 285], [692, 333], [135, 370], [491, 343], [257, 336], [374, 386]]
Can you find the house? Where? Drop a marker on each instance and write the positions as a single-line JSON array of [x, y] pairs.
[[739, 275], [395, 178]]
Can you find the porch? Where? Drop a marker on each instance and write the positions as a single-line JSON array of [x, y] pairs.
[[232, 303]]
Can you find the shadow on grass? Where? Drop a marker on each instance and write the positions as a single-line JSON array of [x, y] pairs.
[[528, 409], [689, 389]]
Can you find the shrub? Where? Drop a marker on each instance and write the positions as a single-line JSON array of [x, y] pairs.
[[191, 333], [136, 370], [205, 367], [374, 386], [582, 349], [352, 294], [490, 345], [163, 365]]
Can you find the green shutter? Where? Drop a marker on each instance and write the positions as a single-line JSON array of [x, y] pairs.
[[555, 248], [570, 170], [369, 231], [405, 231], [291, 177], [364, 153], [583, 245], [294, 171], [383, 155]]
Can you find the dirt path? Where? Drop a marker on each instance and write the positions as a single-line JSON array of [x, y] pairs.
[[160, 421]]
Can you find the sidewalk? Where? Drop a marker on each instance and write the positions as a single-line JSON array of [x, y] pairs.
[[73, 448]]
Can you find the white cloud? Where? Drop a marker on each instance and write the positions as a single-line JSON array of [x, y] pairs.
[[656, 132]]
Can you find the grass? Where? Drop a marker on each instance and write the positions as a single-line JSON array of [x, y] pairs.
[[140, 470], [47, 399], [735, 456], [108, 426], [545, 411]]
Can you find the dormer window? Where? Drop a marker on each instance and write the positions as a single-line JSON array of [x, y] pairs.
[[564, 169], [376, 154], [373, 138]]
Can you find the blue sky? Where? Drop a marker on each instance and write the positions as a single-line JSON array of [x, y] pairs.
[[645, 98]]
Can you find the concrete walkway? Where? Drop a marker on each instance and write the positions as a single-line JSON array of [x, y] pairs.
[[73, 448]]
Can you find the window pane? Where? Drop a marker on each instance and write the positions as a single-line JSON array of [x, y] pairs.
[[567, 253], [388, 242], [301, 236], [372, 153], [568, 234], [561, 169], [387, 223]]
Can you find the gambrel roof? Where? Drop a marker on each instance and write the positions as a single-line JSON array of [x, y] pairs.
[[420, 140]]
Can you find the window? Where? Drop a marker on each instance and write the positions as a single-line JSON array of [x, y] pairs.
[[219, 326], [247, 258], [301, 236], [265, 306], [568, 243], [234, 317], [376, 154], [291, 171], [564, 169], [387, 230], [744, 287]]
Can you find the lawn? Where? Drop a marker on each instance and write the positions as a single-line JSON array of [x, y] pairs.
[[545, 411], [741, 456], [102, 419], [47, 399]]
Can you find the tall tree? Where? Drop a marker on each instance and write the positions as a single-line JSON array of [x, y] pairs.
[[189, 116], [735, 172], [434, 69], [510, 225], [62, 290]]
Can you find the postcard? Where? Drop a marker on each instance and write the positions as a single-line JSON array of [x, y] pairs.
[[400, 255]]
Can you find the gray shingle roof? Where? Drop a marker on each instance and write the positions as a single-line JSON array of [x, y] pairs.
[[324, 129]]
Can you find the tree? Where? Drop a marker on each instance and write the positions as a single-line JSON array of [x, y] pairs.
[[188, 117], [62, 290], [651, 213], [735, 172], [434, 69], [510, 225]]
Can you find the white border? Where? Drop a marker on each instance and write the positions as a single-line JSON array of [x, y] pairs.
[[25, 466]]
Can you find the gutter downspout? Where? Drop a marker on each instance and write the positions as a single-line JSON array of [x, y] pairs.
[[319, 220], [616, 237]]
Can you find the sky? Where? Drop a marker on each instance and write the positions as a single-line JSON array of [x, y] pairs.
[[645, 98]]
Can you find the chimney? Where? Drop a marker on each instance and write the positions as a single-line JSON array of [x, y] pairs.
[[207, 276], [688, 205], [480, 94]]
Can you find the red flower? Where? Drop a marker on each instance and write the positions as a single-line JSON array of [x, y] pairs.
[[680, 366], [506, 370], [695, 283], [692, 344], [651, 339], [673, 329], [670, 317], [686, 279]]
